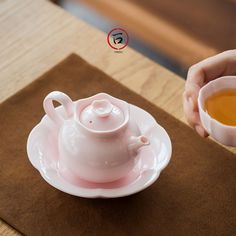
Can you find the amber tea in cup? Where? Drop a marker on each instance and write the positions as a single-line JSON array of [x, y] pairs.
[[222, 106], [217, 109]]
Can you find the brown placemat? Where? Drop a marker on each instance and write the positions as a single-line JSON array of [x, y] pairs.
[[195, 194]]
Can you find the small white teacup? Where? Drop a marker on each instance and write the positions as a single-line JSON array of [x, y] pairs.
[[224, 134]]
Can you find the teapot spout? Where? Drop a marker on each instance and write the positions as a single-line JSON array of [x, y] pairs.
[[137, 142]]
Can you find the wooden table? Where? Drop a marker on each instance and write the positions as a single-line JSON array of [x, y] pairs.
[[187, 31], [36, 35]]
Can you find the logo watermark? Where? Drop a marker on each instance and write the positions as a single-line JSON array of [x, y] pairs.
[[118, 39]]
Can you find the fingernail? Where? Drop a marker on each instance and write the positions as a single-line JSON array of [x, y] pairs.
[[200, 130]]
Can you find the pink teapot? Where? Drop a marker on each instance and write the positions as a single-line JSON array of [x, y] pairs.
[[97, 140]]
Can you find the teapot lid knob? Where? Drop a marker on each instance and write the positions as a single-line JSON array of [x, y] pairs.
[[102, 108]]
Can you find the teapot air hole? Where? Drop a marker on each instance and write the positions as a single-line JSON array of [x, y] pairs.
[[90, 121], [144, 139]]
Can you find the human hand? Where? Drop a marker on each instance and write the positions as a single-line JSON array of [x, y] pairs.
[[200, 74]]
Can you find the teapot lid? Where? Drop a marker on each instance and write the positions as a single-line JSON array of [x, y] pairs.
[[102, 114]]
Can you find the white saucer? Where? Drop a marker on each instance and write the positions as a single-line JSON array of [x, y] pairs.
[[43, 154]]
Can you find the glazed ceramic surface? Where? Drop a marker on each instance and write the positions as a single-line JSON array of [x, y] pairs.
[[98, 140], [225, 134], [43, 152]]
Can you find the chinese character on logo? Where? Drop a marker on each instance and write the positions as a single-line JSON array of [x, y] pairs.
[[117, 38]]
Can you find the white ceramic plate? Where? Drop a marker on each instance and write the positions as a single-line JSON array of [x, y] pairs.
[[43, 154]]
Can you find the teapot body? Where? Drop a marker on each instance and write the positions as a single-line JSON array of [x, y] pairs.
[[97, 141], [96, 158]]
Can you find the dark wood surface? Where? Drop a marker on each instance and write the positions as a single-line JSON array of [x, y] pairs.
[[187, 30]]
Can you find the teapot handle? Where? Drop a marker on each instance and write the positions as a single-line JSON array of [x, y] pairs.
[[50, 110]]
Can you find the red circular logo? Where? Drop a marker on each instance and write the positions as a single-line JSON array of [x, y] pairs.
[[117, 38]]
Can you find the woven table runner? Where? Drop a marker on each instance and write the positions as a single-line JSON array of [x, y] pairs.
[[194, 195]]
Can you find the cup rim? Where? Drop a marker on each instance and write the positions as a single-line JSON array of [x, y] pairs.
[[201, 100]]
